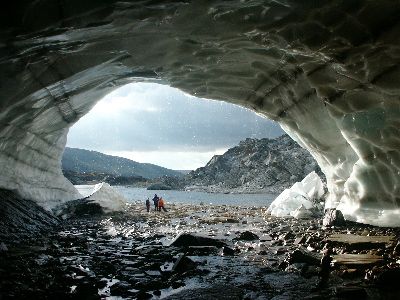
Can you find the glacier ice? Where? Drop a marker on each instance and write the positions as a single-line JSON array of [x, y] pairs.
[[298, 199], [103, 194], [328, 72]]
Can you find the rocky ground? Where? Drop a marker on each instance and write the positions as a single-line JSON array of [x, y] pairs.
[[221, 252]]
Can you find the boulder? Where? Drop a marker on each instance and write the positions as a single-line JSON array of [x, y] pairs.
[[247, 236], [227, 251], [183, 264], [188, 239], [351, 292], [301, 255], [333, 217]]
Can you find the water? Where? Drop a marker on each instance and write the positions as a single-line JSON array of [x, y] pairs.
[[184, 197]]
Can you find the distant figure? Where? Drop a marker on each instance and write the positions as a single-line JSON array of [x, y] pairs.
[[161, 204], [155, 201], [148, 204]]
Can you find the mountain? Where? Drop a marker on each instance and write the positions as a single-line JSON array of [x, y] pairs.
[[76, 162], [255, 165]]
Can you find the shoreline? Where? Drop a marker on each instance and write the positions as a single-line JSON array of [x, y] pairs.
[[123, 255]]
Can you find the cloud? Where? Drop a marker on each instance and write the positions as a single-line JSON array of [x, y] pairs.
[[151, 117], [177, 160]]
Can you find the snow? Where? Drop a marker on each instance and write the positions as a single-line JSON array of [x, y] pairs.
[[298, 199], [103, 194]]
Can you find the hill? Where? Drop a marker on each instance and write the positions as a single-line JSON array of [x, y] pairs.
[[79, 161]]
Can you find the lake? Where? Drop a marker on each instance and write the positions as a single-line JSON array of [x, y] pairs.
[[133, 194]]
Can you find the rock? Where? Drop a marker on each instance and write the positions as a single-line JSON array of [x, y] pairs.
[[296, 267], [351, 292], [101, 284], [183, 264], [202, 250], [333, 217], [187, 239], [280, 250], [80, 208], [302, 256], [384, 276], [86, 290], [357, 260], [121, 288], [359, 242], [3, 247], [157, 293], [142, 295], [287, 236], [242, 168], [21, 218], [247, 236], [300, 240], [177, 284], [231, 220], [228, 251]]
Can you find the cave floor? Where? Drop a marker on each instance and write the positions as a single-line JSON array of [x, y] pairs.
[[129, 256]]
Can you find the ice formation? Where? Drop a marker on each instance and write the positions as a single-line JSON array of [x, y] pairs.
[[103, 194], [327, 71], [298, 199]]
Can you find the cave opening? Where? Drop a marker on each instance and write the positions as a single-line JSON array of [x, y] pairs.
[[154, 123], [167, 134]]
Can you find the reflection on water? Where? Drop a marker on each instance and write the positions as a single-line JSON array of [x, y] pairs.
[[185, 197]]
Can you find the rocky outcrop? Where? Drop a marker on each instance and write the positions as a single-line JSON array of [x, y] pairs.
[[22, 219], [327, 71], [254, 166]]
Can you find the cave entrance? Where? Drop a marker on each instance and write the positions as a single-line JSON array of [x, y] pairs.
[[155, 124]]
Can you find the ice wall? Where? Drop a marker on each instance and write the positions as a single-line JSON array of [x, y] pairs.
[[327, 71]]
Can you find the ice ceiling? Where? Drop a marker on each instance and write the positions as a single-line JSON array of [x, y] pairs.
[[327, 71]]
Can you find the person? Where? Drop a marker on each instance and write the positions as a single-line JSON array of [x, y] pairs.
[[148, 204], [161, 204], [155, 201]]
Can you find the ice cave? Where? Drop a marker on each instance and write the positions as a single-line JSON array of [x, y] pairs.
[[327, 71]]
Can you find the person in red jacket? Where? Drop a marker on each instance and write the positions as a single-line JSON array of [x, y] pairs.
[[161, 204]]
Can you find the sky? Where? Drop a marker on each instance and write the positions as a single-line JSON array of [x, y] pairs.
[[157, 124]]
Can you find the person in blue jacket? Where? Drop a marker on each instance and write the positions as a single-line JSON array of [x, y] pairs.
[[155, 201]]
